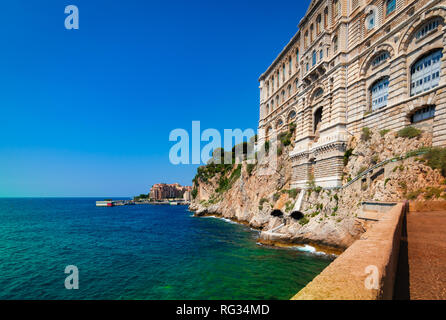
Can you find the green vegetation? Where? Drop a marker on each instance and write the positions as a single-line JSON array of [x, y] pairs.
[[413, 194], [293, 193], [436, 159], [250, 168], [138, 198], [409, 132], [375, 159], [403, 185], [285, 138], [261, 202], [224, 184], [288, 206], [347, 156], [384, 132], [194, 193], [361, 170], [385, 182], [432, 192], [366, 134], [304, 221], [276, 196]]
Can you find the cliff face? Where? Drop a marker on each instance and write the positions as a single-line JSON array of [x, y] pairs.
[[325, 217]]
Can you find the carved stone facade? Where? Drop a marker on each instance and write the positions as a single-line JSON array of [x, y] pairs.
[[355, 64]]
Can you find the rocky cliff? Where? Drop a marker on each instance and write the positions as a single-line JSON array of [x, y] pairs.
[[325, 218]]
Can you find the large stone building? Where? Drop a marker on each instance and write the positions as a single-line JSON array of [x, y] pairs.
[[355, 64], [162, 191]]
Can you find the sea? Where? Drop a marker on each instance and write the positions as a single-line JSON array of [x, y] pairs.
[[140, 252]]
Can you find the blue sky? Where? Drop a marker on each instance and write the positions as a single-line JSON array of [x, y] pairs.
[[88, 112]]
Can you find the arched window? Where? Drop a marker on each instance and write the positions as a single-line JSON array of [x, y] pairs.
[[371, 20], [283, 96], [380, 93], [390, 6], [292, 115], [272, 84], [290, 64], [380, 58], [267, 109], [289, 90], [279, 123], [284, 72], [296, 84], [335, 44], [278, 79], [297, 55], [267, 89], [314, 58], [422, 114], [306, 39], [319, 92], [318, 24], [321, 54], [426, 28], [425, 73], [272, 105], [277, 101]]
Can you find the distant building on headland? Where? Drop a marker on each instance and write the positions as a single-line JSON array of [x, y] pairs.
[[163, 191]]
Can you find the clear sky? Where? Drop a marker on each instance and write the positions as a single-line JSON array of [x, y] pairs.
[[88, 112]]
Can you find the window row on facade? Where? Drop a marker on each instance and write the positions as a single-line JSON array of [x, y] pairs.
[[424, 75]]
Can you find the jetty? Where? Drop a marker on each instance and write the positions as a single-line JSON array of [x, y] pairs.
[[117, 203]]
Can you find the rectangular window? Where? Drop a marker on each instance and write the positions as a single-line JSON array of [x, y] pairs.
[[425, 74], [423, 114], [391, 5], [380, 92]]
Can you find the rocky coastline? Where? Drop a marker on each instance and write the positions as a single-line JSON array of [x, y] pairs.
[[328, 219]]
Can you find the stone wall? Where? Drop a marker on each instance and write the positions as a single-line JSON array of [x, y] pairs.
[[350, 276]]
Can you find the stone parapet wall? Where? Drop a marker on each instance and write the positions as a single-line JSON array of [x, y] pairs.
[[374, 256]]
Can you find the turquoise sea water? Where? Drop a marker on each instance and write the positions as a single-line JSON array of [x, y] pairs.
[[139, 252]]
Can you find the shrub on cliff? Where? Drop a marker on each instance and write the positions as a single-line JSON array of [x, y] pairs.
[[436, 159], [432, 192], [384, 132], [366, 134], [250, 168], [409, 132], [285, 138], [194, 193], [347, 156]]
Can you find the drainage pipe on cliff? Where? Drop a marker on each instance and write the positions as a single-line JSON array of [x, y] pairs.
[[299, 201]]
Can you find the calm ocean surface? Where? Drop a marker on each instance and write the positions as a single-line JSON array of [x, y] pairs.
[[139, 252]]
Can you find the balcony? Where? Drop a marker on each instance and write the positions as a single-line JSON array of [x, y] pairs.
[[315, 72]]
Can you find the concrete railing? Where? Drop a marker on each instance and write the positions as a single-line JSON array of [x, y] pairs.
[[367, 269]]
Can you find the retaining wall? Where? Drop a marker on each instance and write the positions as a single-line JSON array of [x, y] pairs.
[[378, 250]]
